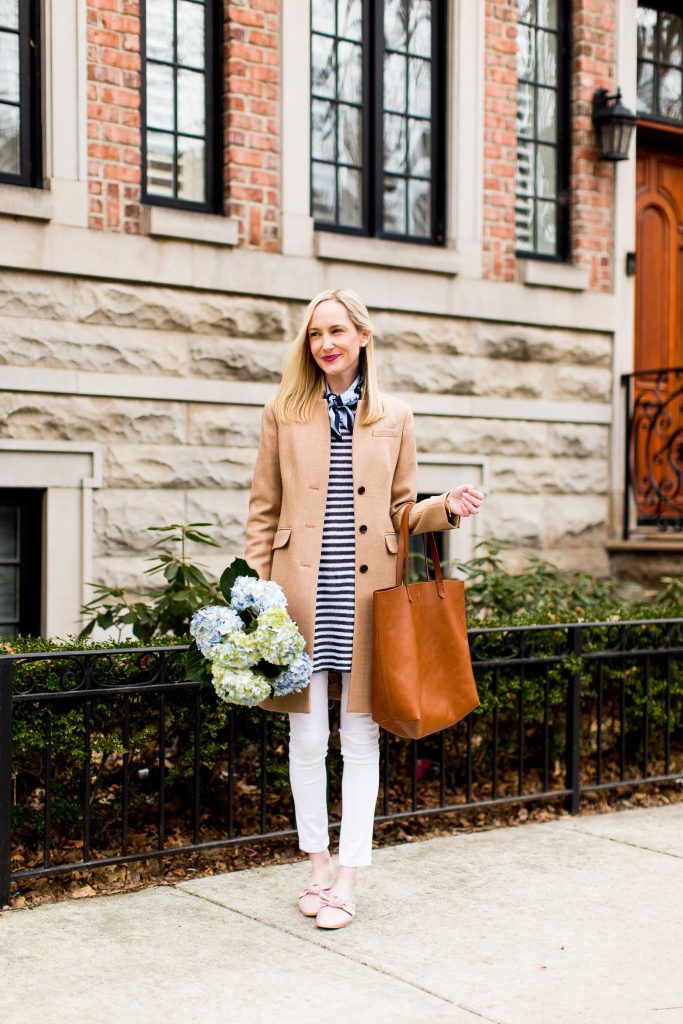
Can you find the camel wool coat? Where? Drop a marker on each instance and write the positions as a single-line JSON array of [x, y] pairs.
[[287, 509]]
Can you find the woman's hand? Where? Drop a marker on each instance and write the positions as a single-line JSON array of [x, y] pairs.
[[464, 500]]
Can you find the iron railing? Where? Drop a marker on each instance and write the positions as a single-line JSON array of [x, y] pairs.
[[567, 709], [653, 480]]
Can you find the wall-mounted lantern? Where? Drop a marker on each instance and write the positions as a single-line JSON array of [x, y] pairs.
[[614, 124]]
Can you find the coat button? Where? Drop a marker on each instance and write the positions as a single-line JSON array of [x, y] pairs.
[[361, 489], [363, 568], [363, 528]]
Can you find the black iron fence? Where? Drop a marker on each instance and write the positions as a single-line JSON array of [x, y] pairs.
[[110, 756], [653, 484]]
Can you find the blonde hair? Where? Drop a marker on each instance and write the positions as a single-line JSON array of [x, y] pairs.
[[302, 377]]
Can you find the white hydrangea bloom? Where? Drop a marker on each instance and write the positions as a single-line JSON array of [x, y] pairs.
[[209, 626], [240, 687], [256, 595]]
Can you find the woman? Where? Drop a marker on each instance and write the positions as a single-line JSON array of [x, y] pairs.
[[336, 465]]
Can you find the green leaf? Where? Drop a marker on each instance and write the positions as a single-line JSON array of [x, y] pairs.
[[238, 567], [196, 666]]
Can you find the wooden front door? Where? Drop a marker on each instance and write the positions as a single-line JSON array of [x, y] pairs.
[[657, 431]]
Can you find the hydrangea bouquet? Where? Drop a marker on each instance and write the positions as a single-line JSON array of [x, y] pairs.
[[250, 649]]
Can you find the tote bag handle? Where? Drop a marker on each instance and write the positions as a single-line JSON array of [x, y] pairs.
[[402, 560]]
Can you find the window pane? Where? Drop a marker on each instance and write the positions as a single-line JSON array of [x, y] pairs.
[[395, 205], [419, 209], [647, 23], [527, 10], [525, 169], [394, 143], [323, 123], [646, 100], [191, 44], [350, 72], [546, 48], [394, 82], [419, 87], [525, 110], [191, 102], [9, 67], [419, 148], [160, 157], [546, 171], [9, 592], [322, 73], [546, 226], [350, 191], [160, 96], [159, 29], [9, 14], [394, 24], [9, 140], [9, 532], [323, 16], [350, 135], [670, 93], [191, 169], [546, 114], [525, 52], [420, 27], [323, 192], [670, 39], [350, 14], [547, 13]]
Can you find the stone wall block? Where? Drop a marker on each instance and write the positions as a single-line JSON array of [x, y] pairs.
[[575, 521], [79, 418], [578, 440], [25, 294], [227, 511], [91, 347], [466, 436], [121, 519], [549, 476], [541, 345], [171, 309], [236, 359], [582, 382], [516, 518], [178, 466], [236, 426], [460, 375], [446, 336]]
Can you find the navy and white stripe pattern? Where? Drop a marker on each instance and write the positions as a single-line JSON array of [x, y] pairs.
[[335, 600], [342, 408]]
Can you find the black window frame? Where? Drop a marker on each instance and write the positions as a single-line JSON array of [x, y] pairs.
[[213, 169], [30, 89], [373, 109], [30, 504], [662, 7], [563, 143]]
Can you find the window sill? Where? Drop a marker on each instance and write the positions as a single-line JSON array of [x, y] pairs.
[[21, 201], [544, 274], [381, 252], [165, 222]]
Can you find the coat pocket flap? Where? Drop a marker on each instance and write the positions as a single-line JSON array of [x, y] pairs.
[[281, 538], [392, 542]]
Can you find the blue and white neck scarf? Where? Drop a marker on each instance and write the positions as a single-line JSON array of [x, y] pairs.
[[342, 408]]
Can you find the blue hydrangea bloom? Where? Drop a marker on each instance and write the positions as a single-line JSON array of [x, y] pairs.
[[297, 677], [257, 595], [209, 626]]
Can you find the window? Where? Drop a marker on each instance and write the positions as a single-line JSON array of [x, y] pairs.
[[20, 561], [181, 104], [660, 63], [378, 117], [542, 181], [19, 64]]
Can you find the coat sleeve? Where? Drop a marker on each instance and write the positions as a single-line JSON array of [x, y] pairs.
[[265, 498], [430, 514]]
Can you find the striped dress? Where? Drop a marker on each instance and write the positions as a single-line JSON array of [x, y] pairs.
[[335, 598]]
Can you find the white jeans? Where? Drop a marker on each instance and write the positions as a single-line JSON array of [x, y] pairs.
[[308, 741]]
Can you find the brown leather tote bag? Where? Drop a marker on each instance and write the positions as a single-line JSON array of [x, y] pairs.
[[422, 679]]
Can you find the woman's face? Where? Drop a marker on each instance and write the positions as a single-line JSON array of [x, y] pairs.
[[335, 344]]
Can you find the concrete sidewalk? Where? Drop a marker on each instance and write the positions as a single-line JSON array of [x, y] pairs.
[[578, 920]]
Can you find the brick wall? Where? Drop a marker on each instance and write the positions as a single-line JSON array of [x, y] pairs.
[[251, 105], [251, 168], [591, 182], [113, 37]]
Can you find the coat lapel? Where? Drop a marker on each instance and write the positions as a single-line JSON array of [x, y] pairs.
[[361, 452]]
